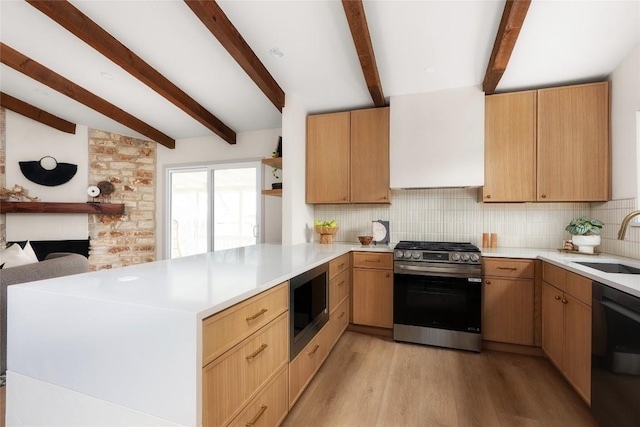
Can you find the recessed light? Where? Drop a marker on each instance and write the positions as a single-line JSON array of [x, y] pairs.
[[41, 91], [106, 75], [276, 52]]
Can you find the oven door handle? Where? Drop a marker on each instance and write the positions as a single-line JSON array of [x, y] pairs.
[[438, 271]]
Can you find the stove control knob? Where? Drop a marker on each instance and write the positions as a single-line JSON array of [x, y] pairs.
[[407, 254], [416, 255], [455, 256], [399, 254], [465, 257], [475, 257]]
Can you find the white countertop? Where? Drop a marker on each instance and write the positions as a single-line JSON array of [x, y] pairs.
[[201, 284], [629, 283]]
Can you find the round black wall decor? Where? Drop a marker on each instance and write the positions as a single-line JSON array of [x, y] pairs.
[[34, 171]]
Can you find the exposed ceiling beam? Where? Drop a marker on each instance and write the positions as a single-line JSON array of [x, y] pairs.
[[354, 9], [230, 38], [19, 62], [512, 19], [28, 110], [68, 16]]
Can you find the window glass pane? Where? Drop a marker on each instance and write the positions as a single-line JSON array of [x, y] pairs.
[[189, 210], [234, 208]]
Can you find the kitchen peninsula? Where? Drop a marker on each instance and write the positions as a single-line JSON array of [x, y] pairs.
[[124, 346]]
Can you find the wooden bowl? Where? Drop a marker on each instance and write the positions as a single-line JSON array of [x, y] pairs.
[[365, 240]]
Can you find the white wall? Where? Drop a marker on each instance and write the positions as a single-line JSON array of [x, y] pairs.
[[211, 149], [28, 140], [625, 102], [297, 216]]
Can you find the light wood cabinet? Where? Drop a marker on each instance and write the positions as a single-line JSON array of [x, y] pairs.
[[372, 303], [566, 325], [573, 143], [269, 408], [508, 301], [307, 362], [348, 157], [510, 147], [224, 330], [233, 379], [339, 321], [548, 145], [339, 281]]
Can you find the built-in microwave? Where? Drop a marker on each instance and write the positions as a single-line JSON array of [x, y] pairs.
[[308, 310]]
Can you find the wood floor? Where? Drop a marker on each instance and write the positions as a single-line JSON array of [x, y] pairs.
[[373, 381], [3, 393]]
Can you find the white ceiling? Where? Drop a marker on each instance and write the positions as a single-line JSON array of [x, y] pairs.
[[420, 46]]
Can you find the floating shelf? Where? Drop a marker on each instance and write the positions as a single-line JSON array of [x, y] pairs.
[[54, 207], [275, 162], [277, 192]]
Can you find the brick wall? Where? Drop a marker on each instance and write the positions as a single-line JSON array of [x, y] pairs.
[[130, 165], [3, 137]]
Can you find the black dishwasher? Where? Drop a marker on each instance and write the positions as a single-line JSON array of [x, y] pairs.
[[615, 357]]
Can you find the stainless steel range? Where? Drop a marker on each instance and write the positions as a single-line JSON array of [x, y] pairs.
[[437, 294]]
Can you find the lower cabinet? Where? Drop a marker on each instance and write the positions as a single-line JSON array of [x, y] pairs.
[[307, 362], [508, 301], [372, 289], [270, 407], [339, 320], [566, 325]]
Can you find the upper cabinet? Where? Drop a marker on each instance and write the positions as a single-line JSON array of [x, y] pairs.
[[348, 157], [573, 143], [437, 139], [550, 145], [510, 148]]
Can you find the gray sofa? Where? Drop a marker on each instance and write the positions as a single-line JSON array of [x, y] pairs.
[[54, 265]]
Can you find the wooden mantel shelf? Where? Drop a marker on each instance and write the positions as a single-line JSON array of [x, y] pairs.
[[54, 207]]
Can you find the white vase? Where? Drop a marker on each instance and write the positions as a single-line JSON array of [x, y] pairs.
[[586, 244]]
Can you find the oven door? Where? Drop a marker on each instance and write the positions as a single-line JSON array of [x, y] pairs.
[[441, 302]]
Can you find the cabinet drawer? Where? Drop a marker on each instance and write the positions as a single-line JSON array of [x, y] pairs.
[[305, 365], [338, 265], [373, 260], [269, 408], [579, 287], [514, 268], [338, 289], [222, 331], [339, 321], [555, 276], [230, 381]]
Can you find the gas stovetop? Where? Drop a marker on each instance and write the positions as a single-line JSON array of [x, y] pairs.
[[452, 252]]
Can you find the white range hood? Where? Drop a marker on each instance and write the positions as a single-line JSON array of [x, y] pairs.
[[437, 139]]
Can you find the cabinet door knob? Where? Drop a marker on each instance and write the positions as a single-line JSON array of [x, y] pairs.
[[564, 301], [488, 196], [488, 282], [344, 199], [557, 297], [388, 275], [544, 196]]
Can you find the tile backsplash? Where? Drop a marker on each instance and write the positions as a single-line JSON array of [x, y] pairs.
[[454, 214]]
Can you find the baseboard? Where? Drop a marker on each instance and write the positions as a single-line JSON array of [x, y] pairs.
[[371, 330], [513, 348]]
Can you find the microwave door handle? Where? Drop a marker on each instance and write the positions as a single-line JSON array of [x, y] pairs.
[[621, 309]]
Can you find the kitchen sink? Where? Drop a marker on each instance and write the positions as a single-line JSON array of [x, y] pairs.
[[610, 267]]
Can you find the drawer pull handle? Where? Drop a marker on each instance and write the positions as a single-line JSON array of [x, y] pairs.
[[255, 419], [372, 260], [258, 314], [341, 315], [507, 268], [257, 352], [341, 265], [341, 283], [312, 352], [557, 297]]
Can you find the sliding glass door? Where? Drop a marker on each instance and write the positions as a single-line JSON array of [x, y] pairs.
[[213, 207]]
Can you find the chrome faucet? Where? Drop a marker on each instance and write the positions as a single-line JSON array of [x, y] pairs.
[[625, 224]]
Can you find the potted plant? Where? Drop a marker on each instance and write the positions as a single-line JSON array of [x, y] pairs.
[[585, 233]]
